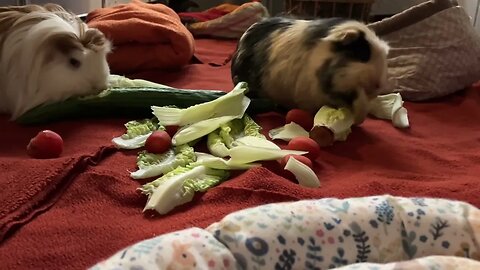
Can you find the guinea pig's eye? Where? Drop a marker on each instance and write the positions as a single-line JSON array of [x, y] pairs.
[[74, 63]]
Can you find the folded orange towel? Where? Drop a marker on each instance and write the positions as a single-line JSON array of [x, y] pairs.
[[145, 36]]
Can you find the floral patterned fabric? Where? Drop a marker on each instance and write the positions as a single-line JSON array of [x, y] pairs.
[[379, 232]]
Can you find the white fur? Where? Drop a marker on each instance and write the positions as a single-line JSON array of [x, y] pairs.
[[28, 80]]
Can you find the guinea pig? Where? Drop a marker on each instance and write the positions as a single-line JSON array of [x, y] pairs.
[[307, 64], [48, 55]]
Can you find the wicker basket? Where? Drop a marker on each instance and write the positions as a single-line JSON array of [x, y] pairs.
[[355, 9]]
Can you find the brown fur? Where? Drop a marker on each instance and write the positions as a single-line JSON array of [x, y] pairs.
[[88, 38]]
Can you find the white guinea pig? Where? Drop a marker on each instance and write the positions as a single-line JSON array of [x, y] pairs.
[[307, 64], [48, 55]]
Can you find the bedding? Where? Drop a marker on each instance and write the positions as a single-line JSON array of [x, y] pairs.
[[434, 52], [144, 36], [376, 232], [231, 24], [83, 207]]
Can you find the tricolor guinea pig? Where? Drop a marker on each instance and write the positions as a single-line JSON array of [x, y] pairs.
[[307, 64], [48, 55]]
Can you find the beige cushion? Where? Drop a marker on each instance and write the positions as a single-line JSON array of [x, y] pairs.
[[433, 57]]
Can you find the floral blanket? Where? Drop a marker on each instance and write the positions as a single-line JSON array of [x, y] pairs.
[[378, 232]]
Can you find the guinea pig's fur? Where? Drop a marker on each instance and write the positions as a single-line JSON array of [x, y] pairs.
[[48, 55], [307, 64]]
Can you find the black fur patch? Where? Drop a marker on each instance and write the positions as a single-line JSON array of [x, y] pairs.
[[319, 28], [251, 55], [357, 50], [325, 76]]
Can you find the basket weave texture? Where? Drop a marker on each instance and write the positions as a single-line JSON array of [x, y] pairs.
[[355, 9]]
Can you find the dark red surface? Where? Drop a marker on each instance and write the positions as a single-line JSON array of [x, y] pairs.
[[83, 207]]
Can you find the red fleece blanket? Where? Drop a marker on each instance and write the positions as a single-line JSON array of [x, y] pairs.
[[74, 211]]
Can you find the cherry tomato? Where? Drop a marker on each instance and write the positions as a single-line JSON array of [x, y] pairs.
[[158, 142], [171, 130], [305, 144], [300, 117], [46, 144]]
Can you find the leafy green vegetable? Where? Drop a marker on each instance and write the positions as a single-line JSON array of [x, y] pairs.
[[137, 132], [247, 153], [215, 143], [178, 186], [231, 103], [251, 127], [228, 135], [151, 165], [117, 81], [141, 127], [215, 162], [339, 121], [288, 132], [197, 130]]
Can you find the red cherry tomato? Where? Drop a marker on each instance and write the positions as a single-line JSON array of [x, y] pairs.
[[171, 130], [300, 117], [158, 142], [305, 160], [46, 144], [305, 144]]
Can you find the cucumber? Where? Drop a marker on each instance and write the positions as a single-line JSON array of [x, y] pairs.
[[128, 102]]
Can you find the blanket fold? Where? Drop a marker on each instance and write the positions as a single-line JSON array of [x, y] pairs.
[[145, 36], [31, 186], [225, 20]]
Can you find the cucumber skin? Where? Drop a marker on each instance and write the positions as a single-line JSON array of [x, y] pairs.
[[132, 102]]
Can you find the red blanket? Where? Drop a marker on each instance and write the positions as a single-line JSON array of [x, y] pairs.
[[81, 208]]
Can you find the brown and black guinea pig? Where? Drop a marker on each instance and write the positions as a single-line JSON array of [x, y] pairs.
[[307, 64]]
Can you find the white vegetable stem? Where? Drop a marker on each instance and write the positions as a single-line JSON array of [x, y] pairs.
[[214, 162], [247, 154], [197, 130], [288, 132], [194, 131], [157, 169], [132, 143], [390, 107], [227, 104], [400, 118], [170, 194], [256, 142], [305, 175]]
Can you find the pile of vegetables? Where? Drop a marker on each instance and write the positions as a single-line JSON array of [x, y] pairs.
[[233, 139], [334, 124], [234, 142]]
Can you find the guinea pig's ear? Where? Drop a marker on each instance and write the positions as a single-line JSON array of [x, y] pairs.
[[346, 36], [95, 40], [349, 36]]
